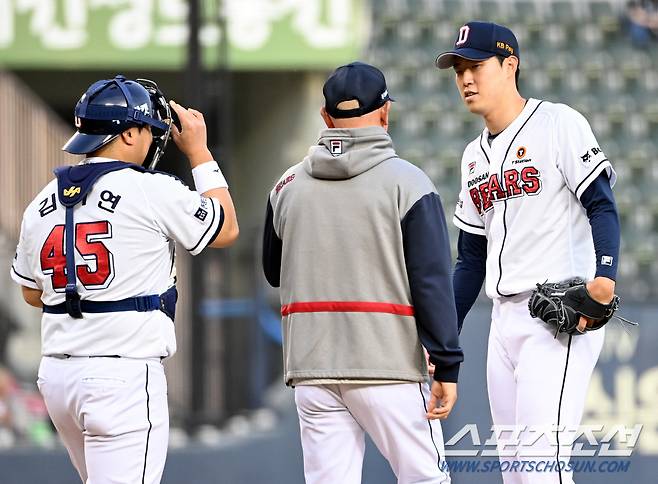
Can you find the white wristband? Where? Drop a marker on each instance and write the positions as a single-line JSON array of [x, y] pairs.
[[208, 176]]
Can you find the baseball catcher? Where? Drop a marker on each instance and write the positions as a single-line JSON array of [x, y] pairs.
[[97, 254]]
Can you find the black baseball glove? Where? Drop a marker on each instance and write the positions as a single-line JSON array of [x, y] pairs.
[[562, 304]]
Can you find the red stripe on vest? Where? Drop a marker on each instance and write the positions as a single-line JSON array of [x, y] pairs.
[[346, 307]]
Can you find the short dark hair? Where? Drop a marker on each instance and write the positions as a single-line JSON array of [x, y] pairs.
[[501, 59]]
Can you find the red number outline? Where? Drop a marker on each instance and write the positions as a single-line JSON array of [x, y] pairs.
[[88, 243]]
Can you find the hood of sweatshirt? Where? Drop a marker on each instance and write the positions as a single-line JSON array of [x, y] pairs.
[[343, 153]]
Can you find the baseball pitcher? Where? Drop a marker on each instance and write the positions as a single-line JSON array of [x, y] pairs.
[[536, 205]]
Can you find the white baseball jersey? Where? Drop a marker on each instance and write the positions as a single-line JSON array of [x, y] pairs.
[[523, 193], [124, 239]]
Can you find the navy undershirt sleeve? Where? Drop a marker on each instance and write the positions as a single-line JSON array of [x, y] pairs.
[[599, 203], [427, 259], [272, 247], [470, 271]]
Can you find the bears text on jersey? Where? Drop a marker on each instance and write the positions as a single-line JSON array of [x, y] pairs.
[[514, 183]]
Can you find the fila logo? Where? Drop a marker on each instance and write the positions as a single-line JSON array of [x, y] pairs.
[[463, 35], [606, 260], [71, 192], [336, 147]]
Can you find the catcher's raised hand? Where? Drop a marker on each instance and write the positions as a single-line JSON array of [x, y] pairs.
[[193, 139], [444, 397]]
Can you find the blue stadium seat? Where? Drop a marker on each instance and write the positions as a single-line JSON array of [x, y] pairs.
[[561, 11], [392, 10], [637, 128], [527, 12], [589, 37], [554, 36], [430, 80], [633, 64], [574, 81], [495, 10], [605, 15], [601, 126]]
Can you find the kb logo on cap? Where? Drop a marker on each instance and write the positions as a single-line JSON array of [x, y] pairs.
[[336, 147]]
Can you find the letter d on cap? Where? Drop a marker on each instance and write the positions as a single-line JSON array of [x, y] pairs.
[[463, 35]]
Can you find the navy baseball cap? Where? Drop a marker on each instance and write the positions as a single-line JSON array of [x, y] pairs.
[[479, 41], [355, 82]]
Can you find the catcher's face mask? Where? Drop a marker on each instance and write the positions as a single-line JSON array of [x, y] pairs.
[[161, 112]]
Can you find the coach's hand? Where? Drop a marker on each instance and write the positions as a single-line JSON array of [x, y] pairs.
[[602, 290], [444, 394], [193, 139]]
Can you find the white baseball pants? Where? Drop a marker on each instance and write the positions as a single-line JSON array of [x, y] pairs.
[[535, 380], [111, 414], [334, 419]]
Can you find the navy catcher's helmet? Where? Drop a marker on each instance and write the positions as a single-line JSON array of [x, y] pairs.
[[111, 106]]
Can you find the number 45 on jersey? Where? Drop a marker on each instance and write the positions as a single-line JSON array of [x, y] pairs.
[[97, 272]]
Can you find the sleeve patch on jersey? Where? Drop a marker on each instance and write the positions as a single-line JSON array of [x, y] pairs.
[[201, 214], [606, 260], [590, 154], [204, 241]]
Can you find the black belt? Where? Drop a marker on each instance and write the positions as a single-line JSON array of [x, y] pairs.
[[164, 302]]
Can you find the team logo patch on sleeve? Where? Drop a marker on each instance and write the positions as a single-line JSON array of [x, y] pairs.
[[590, 154], [201, 214]]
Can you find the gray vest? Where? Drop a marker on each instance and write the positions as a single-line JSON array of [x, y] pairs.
[[346, 305]]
